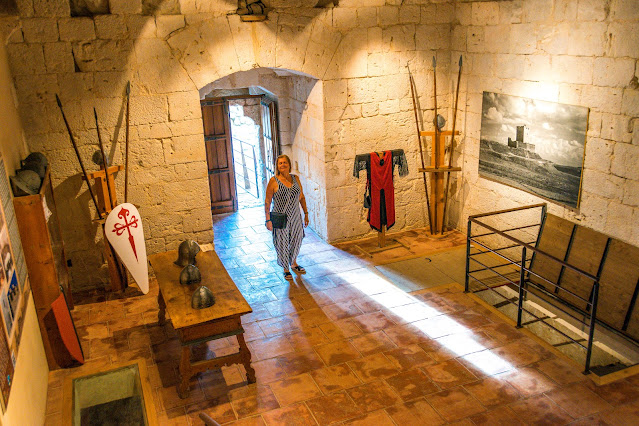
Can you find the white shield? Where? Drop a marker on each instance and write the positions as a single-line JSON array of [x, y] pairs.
[[123, 228]]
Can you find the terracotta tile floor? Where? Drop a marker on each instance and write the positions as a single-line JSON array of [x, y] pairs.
[[343, 345]]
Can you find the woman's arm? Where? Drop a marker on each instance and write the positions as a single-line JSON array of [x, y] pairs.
[[303, 201], [270, 190]]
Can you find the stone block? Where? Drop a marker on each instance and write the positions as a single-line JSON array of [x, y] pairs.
[[76, 29], [592, 39], [463, 13], [432, 37], [26, 59], [362, 90], [510, 12], [198, 220], [370, 109], [59, 57], [140, 26], [110, 84], [184, 149], [523, 39], [572, 69], [603, 184], [537, 68], [388, 15], [74, 86], [36, 88], [630, 103], [458, 38], [187, 195], [603, 99], [537, 10], [485, 13], [345, 17], [125, 7], [184, 106], [592, 10], [51, 8], [111, 27], [613, 72], [565, 10], [389, 107], [625, 160], [40, 30], [148, 109], [614, 127], [186, 127], [624, 11], [25, 8], [352, 111], [410, 14], [631, 193], [619, 221], [598, 155], [147, 154], [399, 37], [366, 17], [166, 24], [154, 131], [475, 39]]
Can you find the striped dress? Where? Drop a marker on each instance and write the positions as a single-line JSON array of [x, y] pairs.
[[288, 240]]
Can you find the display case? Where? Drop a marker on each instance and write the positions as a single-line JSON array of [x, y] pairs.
[[39, 227]]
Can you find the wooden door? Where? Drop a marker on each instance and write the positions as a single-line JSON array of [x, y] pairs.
[[270, 136], [219, 155]]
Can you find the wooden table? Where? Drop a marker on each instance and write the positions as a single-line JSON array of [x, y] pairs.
[[195, 326]]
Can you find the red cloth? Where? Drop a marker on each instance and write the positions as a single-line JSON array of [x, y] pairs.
[[382, 211]]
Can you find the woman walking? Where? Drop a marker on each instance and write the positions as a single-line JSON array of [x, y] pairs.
[[285, 190]]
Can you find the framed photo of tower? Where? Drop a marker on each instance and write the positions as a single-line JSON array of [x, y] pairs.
[[536, 146]]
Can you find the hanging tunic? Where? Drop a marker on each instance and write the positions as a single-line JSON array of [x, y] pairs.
[[379, 172], [288, 240]]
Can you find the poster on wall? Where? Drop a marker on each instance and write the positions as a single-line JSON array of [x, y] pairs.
[[13, 290], [533, 145]]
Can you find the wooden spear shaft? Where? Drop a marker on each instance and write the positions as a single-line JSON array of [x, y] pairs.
[[126, 157], [435, 141], [452, 146], [77, 153], [104, 161], [419, 142]]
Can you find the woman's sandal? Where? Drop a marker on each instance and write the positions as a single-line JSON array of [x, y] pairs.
[[288, 276], [298, 269]]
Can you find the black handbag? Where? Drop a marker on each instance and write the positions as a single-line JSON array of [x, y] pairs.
[[278, 220]]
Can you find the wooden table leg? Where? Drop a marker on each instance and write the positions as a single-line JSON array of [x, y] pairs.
[[245, 355], [162, 311], [185, 372]]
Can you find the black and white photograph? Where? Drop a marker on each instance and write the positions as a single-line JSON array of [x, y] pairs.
[[533, 145]]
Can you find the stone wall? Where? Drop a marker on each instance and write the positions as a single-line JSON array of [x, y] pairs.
[[359, 51], [307, 150], [580, 53]]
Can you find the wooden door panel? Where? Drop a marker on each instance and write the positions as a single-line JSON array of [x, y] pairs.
[[219, 156]]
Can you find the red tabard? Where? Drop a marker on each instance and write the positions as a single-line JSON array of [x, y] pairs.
[[382, 211]]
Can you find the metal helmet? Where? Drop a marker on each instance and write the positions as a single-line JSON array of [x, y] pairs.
[[26, 182], [202, 298], [441, 121], [97, 158], [186, 253], [190, 275], [37, 162]]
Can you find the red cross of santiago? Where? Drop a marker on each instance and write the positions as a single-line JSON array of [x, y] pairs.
[[119, 228]]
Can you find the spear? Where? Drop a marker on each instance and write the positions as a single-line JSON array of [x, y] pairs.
[[126, 161], [452, 145], [436, 140], [104, 161], [419, 141], [77, 153]]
